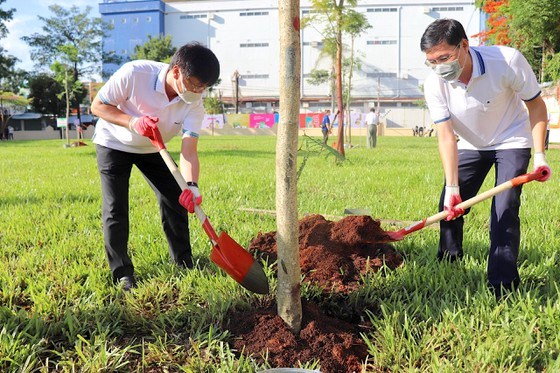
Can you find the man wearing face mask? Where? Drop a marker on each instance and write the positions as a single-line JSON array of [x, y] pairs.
[[489, 97], [140, 97]]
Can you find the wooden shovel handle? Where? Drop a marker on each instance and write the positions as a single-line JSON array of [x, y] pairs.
[[170, 162]]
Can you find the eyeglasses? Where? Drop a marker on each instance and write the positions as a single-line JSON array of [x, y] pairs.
[[442, 59], [192, 86]]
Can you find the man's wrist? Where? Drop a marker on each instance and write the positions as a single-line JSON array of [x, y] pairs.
[[131, 122], [192, 183]]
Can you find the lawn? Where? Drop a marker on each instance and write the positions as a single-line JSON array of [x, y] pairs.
[[59, 311]]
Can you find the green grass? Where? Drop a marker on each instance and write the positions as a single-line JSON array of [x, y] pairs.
[[59, 311]]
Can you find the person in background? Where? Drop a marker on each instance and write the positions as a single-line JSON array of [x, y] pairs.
[[140, 99], [490, 98], [326, 126], [10, 132], [371, 121]]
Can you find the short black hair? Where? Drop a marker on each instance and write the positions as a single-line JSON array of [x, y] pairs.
[[196, 60], [442, 30]]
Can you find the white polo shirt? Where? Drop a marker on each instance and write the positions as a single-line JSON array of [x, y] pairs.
[[138, 88], [488, 113]]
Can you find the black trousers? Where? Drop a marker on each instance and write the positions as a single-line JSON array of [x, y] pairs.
[[504, 216], [114, 168]]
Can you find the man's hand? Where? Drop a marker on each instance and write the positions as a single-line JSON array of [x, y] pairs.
[[451, 199], [189, 197], [539, 163], [144, 126]]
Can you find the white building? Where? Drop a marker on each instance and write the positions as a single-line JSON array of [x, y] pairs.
[[244, 34]]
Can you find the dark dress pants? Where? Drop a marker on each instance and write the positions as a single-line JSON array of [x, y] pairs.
[[504, 218], [114, 168]]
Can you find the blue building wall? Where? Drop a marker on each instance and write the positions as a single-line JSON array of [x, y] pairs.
[[133, 22]]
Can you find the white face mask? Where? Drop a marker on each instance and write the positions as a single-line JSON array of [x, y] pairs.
[[449, 71], [187, 96]]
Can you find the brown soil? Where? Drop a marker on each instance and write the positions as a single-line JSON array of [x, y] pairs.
[[335, 257]]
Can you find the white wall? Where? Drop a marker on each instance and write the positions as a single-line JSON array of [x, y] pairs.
[[219, 25]]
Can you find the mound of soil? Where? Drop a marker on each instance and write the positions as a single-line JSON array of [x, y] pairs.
[[334, 256]]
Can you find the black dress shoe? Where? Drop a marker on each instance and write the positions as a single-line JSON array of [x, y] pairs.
[[127, 282], [185, 263]]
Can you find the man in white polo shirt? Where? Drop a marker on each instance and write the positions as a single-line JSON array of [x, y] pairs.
[[489, 97], [139, 97]]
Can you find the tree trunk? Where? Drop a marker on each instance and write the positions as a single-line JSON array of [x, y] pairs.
[[289, 272], [349, 98], [338, 69]]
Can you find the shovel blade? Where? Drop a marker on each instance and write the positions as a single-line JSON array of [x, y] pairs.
[[239, 264]]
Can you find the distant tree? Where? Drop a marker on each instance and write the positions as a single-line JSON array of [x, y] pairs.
[[535, 31], [212, 102], [5, 15], [10, 104], [155, 49], [7, 62], [532, 26], [43, 92], [497, 23], [70, 35]]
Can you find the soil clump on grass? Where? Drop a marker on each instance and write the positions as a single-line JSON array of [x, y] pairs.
[[335, 257]]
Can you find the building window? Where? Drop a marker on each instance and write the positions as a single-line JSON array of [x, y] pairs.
[[253, 45], [381, 42], [381, 75], [251, 14], [148, 19], [123, 20], [447, 9], [136, 19], [314, 44], [193, 16], [124, 52], [382, 10], [254, 76]]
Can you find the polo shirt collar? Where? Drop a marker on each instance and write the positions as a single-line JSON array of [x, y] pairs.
[[479, 68], [159, 84]]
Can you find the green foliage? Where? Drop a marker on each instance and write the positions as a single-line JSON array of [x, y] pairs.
[[5, 15], [69, 28], [60, 312], [7, 62], [318, 77], [155, 49], [533, 27], [44, 91], [213, 105]]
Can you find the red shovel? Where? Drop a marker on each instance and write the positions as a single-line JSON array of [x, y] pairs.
[[226, 253], [516, 181]]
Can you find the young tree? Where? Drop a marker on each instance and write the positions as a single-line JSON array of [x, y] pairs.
[[289, 272], [355, 24], [332, 16], [72, 36], [155, 49]]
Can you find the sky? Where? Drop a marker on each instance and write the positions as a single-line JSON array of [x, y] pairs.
[[25, 22]]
